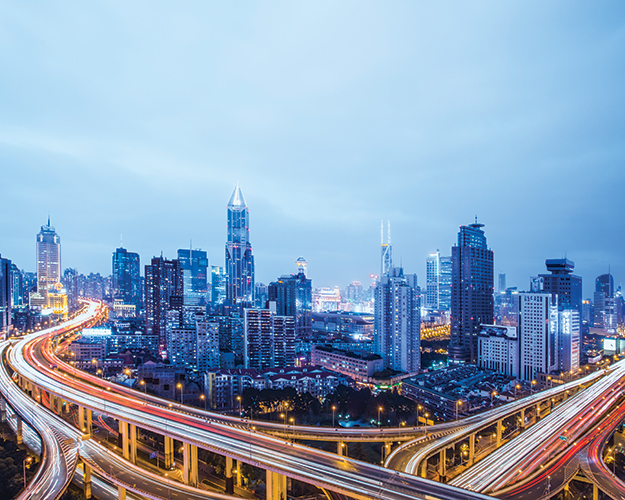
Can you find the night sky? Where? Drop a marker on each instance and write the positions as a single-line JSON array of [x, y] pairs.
[[139, 118]]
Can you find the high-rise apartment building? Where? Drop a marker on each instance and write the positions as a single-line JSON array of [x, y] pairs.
[[293, 297], [498, 349], [48, 262], [471, 292], [70, 282], [438, 282], [5, 297], [163, 292], [17, 287], [569, 340], [444, 283], [432, 268], [398, 321], [538, 332], [239, 258], [194, 264], [194, 347], [127, 277], [562, 282], [269, 339]]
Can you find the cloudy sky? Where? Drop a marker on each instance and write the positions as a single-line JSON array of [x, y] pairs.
[[139, 118]]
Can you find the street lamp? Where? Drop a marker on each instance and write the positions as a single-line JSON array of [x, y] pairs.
[[458, 405], [203, 398], [26, 460], [333, 410], [179, 386], [493, 394], [516, 386], [426, 423], [239, 400], [379, 411], [283, 417], [533, 385], [419, 407], [550, 382]]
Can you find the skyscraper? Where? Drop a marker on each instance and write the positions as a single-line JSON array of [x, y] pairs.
[[398, 321], [386, 250], [444, 283], [163, 292], [605, 303], [218, 285], [293, 297], [239, 258], [471, 292], [194, 265], [502, 283], [5, 297], [127, 277], [269, 339], [432, 269], [562, 282], [48, 261], [538, 334]]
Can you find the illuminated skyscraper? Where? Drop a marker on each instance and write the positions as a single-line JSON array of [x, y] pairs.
[[386, 250], [163, 293], [471, 292], [438, 282], [563, 283], [5, 297], [239, 258], [444, 284], [398, 321], [126, 277], [293, 297], [194, 265], [48, 261]]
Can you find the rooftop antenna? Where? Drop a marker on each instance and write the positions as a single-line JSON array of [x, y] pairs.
[[476, 218], [48, 219]]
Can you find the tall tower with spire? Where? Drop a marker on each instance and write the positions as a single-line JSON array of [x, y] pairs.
[[387, 250], [239, 258]]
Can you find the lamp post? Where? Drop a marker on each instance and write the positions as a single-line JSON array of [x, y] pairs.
[[550, 382], [379, 411], [26, 460], [145, 388], [283, 417], [492, 395], [458, 405], [179, 386], [203, 398], [419, 407], [516, 386], [333, 410], [533, 385], [426, 423], [239, 400]]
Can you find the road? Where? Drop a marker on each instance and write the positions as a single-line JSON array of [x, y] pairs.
[[327, 470]]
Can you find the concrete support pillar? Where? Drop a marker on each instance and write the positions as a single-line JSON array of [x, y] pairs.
[[190, 475], [499, 432], [595, 492], [386, 450], [121, 493], [341, 448], [133, 443], [18, 432], [423, 469], [276, 486], [86, 480], [59, 406], [84, 420], [125, 444], [3, 410], [442, 464], [537, 411], [522, 417], [471, 450], [229, 478], [169, 452], [239, 479]]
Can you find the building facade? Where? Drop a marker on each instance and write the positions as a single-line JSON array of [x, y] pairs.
[[293, 297], [397, 326], [359, 367], [239, 258], [269, 339], [127, 277], [498, 349], [538, 330], [562, 282], [163, 293], [471, 292], [194, 264], [5, 297], [48, 261]]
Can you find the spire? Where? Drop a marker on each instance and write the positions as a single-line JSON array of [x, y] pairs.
[[237, 200], [48, 219]]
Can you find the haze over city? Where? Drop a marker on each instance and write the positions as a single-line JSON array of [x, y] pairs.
[[139, 119]]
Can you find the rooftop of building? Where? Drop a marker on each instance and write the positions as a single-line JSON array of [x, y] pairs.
[[364, 356]]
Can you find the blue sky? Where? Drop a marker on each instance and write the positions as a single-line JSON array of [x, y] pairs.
[[140, 117]]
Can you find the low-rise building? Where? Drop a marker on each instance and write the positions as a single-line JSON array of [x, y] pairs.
[[498, 349], [359, 367]]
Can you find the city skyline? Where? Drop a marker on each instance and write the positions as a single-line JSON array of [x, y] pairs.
[[380, 114]]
